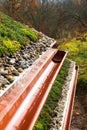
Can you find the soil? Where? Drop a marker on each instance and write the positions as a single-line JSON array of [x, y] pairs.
[[79, 117]]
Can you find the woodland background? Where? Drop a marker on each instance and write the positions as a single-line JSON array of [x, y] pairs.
[[56, 18]]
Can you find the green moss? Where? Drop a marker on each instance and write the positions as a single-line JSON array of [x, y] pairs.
[[15, 32], [48, 110]]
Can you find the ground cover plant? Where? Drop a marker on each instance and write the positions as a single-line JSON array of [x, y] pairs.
[[14, 35], [77, 49]]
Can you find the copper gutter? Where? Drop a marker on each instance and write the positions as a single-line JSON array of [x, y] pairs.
[[20, 106], [70, 102]]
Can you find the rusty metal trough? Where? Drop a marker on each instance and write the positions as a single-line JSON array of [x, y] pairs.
[[21, 105]]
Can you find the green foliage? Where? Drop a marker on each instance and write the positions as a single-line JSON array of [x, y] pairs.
[[71, 47], [31, 34], [16, 32], [82, 84], [11, 46], [78, 52], [48, 110], [2, 49], [39, 126]]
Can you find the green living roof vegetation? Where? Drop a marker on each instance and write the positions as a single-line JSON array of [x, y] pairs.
[[14, 35]]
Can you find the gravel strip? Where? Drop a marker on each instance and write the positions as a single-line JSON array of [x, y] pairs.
[[59, 110], [12, 66]]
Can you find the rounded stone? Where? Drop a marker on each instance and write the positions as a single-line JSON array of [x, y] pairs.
[[20, 70], [15, 72], [10, 78], [3, 80], [0, 84], [12, 61]]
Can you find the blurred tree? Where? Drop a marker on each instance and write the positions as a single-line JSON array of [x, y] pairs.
[[56, 18]]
